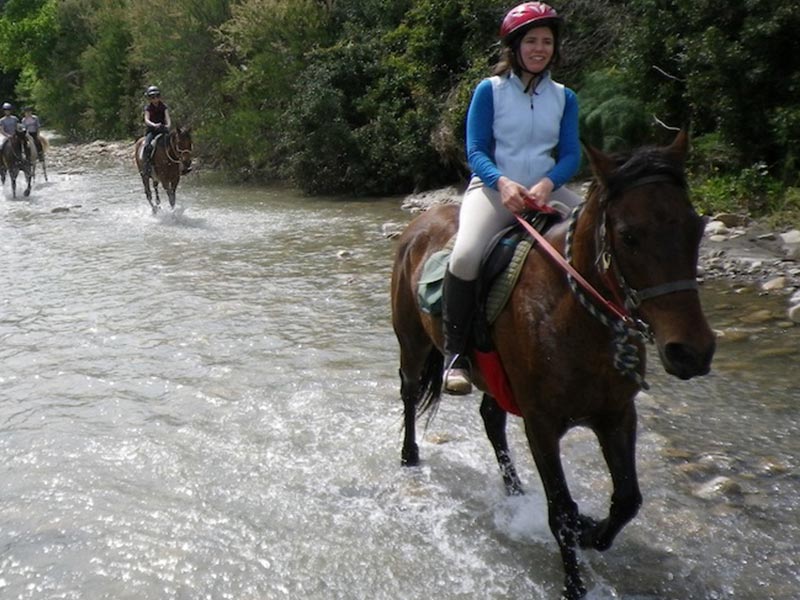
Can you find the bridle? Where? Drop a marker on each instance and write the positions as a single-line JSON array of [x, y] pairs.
[[175, 150], [631, 298], [616, 314]]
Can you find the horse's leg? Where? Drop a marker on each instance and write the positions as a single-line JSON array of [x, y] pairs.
[[409, 393], [148, 193], [13, 174], [27, 191], [562, 511], [617, 437], [155, 188], [44, 167], [171, 194], [494, 421]]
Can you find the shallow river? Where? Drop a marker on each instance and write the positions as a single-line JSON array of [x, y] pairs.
[[205, 405]]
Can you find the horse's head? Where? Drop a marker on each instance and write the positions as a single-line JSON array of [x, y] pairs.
[[648, 241], [21, 142], [182, 146]]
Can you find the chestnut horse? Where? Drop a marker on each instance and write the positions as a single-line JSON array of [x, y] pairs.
[[16, 157], [172, 156], [635, 239]]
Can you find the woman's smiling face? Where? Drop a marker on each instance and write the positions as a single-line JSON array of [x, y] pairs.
[[536, 49]]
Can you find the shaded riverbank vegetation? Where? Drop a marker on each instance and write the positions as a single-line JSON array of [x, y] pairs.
[[369, 96]]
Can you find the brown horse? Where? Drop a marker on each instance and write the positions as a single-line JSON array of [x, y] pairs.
[[172, 156], [15, 158], [566, 357]]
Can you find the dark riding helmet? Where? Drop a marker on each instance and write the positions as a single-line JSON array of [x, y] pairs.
[[152, 92], [525, 16], [7, 106]]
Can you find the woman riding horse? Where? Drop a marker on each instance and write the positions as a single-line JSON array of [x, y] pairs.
[[570, 339], [171, 157]]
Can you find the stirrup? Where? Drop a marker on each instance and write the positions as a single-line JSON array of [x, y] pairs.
[[457, 382], [456, 378]]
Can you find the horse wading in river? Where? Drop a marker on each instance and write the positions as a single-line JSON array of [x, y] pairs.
[[172, 156], [16, 157], [572, 345], [38, 156]]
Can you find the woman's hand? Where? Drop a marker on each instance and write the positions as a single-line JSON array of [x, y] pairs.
[[512, 194], [539, 194]]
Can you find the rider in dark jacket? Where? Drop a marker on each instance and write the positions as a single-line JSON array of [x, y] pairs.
[[156, 119]]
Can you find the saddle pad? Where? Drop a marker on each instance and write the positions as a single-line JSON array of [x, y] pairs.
[[504, 283], [431, 280], [429, 290]]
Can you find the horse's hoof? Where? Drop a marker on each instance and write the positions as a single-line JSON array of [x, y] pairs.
[[589, 534], [409, 457], [573, 588]]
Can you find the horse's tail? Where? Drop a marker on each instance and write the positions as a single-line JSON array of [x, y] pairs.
[[45, 143], [430, 384]]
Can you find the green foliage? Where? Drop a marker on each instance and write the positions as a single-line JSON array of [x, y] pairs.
[[370, 96], [730, 68], [751, 191], [611, 118], [106, 88], [267, 46]]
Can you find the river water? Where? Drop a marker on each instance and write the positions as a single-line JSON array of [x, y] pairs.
[[205, 404]]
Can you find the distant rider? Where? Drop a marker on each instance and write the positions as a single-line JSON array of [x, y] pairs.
[[156, 119], [8, 124], [32, 126]]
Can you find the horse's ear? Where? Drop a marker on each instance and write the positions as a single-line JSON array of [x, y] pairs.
[[679, 148], [601, 163]]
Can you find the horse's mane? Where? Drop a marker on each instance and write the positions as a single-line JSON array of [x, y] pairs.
[[649, 161]]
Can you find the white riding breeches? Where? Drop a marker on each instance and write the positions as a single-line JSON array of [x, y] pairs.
[[483, 216]]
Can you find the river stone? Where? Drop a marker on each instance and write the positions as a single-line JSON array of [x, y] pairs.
[[716, 228], [391, 230], [794, 313], [760, 316], [718, 487], [774, 284], [717, 238], [733, 335], [731, 219], [772, 466], [791, 237]]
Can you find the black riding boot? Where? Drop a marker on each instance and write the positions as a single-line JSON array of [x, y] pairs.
[[458, 305]]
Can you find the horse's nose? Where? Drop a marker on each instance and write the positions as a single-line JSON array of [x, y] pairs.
[[686, 362]]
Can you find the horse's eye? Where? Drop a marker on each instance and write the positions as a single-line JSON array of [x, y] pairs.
[[629, 239]]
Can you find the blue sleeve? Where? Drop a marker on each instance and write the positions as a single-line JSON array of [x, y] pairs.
[[480, 135], [569, 145]]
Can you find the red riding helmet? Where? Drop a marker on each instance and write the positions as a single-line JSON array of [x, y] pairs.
[[525, 15]]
